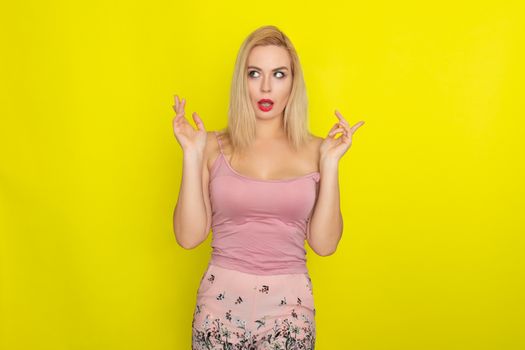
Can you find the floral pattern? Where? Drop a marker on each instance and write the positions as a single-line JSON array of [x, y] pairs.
[[293, 328]]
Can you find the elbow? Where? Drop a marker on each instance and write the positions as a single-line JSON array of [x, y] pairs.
[[329, 249], [323, 251], [189, 244], [326, 252], [184, 243]]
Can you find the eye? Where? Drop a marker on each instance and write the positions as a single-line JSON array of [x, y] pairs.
[[250, 73], [254, 71]]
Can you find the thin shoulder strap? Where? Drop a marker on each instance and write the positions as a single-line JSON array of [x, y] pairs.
[[218, 140]]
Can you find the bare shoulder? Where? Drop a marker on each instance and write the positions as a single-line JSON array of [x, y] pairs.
[[315, 143], [313, 149], [316, 140]]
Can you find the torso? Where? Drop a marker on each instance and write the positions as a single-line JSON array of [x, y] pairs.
[[276, 156]]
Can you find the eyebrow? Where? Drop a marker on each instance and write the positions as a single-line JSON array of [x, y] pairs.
[[273, 70]]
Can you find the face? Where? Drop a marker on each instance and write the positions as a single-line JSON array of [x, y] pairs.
[[269, 76]]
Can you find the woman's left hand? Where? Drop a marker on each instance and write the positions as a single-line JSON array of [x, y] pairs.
[[334, 149]]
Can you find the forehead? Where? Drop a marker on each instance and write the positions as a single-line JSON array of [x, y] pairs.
[[268, 57]]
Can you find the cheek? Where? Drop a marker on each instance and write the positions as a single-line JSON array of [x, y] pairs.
[[284, 93], [252, 89]]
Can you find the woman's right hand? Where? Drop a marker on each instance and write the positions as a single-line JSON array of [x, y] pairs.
[[191, 140]]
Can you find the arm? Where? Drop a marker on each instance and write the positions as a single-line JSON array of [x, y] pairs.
[[325, 227], [189, 217], [192, 214]]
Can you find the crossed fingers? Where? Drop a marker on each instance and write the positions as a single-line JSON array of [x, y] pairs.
[[343, 126]]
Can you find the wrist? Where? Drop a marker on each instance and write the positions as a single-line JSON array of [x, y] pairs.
[[328, 163], [192, 155]]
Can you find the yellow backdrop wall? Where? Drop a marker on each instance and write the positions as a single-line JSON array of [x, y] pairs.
[[432, 189]]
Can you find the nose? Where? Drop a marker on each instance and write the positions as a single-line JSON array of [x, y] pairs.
[[266, 85]]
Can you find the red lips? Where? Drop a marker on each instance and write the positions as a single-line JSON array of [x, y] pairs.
[[265, 108]]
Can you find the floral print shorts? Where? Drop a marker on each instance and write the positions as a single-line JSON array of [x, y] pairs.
[[238, 310]]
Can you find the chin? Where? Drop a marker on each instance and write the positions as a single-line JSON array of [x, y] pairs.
[[266, 115]]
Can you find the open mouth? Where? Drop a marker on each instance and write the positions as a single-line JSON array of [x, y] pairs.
[[265, 104]]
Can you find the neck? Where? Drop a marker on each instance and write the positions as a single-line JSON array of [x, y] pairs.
[[270, 128]]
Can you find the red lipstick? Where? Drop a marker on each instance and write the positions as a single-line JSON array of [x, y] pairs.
[[265, 104]]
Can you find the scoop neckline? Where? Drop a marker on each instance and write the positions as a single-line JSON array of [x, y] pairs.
[[265, 180]]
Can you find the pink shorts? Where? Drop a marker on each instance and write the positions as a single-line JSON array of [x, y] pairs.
[[238, 310]]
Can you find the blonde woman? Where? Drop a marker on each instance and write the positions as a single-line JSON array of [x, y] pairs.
[[264, 185]]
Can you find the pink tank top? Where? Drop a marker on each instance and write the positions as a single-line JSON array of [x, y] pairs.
[[259, 226]]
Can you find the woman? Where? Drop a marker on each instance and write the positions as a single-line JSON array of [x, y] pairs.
[[257, 185]]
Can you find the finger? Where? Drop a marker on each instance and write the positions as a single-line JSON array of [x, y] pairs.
[[178, 112], [350, 130], [176, 103], [337, 125], [198, 121], [333, 132], [180, 118], [356, 126], [347, 128], [180, 105], [341, 118], [333, 128], [347, 131]]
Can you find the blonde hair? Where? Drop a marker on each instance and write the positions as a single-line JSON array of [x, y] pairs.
[[241, 115]]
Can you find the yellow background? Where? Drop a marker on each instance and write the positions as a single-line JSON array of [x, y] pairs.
[[432, 189]]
